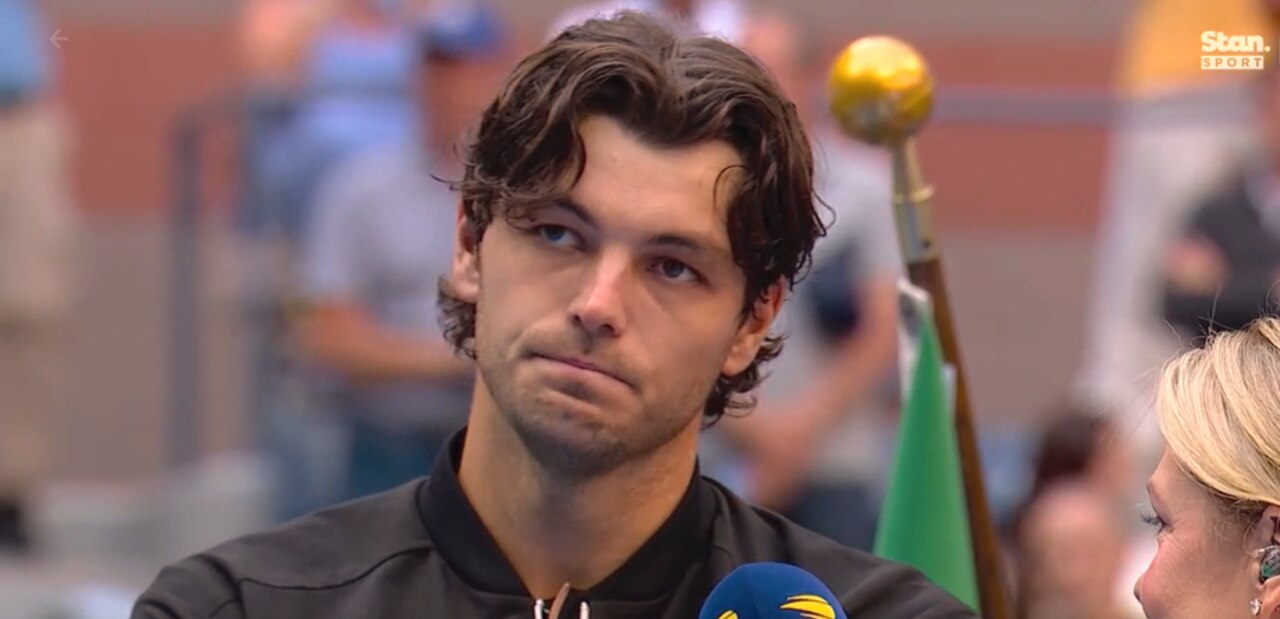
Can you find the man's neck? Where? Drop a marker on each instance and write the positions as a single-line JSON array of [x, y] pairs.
[[555, 531]]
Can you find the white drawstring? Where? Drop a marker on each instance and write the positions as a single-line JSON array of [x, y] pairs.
[[539, 607]]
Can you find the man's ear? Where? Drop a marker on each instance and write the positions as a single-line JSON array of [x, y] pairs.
[[1265, 564], [754, 329], [465, 274]]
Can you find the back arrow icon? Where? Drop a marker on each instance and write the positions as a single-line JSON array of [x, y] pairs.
[[57, 38]]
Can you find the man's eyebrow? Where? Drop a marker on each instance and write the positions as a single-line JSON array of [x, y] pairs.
[[692, 242], [568, 204], [677, 240]]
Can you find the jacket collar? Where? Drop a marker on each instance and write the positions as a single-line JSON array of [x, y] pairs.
[[467, 547]]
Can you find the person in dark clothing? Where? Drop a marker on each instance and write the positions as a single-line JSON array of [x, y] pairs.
[[1222, 271], [1074, 511], [635, 204]]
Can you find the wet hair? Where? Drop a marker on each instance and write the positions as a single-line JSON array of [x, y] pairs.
[[669, 89]]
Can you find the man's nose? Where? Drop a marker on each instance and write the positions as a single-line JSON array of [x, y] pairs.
[[601, 305]]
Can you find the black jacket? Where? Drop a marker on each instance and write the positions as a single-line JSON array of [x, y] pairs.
[[420, 551], [1232, 220]]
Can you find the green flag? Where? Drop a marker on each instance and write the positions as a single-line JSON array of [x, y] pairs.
[[924, 521]]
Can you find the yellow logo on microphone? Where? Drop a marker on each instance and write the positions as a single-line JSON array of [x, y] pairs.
[[809, 607], [728, 614]]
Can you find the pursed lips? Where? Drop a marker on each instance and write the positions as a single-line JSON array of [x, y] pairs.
[[584, 365]]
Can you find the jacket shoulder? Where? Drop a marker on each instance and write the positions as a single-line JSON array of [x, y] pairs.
[[866, 585], [326, 549], [194, 588]]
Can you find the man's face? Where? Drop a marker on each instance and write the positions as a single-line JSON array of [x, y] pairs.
[[603, 322]]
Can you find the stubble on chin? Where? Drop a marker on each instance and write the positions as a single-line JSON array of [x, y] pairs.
[[563, 443]]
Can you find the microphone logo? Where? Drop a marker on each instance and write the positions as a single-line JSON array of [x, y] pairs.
[[809, 607]]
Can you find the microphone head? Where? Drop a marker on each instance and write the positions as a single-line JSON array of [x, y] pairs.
[[771, 591]]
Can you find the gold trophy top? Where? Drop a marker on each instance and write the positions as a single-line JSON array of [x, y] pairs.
[[880, 90]]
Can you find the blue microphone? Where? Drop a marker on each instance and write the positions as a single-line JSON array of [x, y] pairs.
[[771, 591]]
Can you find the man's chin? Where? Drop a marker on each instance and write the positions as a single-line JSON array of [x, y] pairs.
[[570, 442]]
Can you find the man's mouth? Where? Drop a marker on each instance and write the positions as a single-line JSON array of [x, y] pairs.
[[584, 364]]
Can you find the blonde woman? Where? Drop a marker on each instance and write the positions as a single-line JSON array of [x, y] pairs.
[[1216, 491]]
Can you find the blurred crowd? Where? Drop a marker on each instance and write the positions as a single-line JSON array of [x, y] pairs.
[[355, 111]]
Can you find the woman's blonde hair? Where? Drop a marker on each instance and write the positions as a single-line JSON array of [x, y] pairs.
[[1219, 411]]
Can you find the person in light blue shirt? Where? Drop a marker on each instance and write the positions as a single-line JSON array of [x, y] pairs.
[[380, 240], [25, 65], [357, 94]]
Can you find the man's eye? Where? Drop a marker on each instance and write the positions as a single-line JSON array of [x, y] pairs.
[[675, 270], [556, 235]]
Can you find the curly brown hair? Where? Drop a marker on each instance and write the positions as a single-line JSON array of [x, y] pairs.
[[669, 89]]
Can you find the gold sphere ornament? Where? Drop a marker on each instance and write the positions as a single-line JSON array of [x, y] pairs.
[[880, 90]]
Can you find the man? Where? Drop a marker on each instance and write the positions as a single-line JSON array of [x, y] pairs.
[[356, 74], [634, 206], [37, 228], [381, 238], [1222, 270]]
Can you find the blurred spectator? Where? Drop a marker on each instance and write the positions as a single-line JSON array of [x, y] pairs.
[[357, 79], [274, 38], [1074, 549], [382, 237], [728, 19], [1177, 133], [1070, 537], [812, 448], [466, 52], [37, 224], [1082, 447], [1223, 269]]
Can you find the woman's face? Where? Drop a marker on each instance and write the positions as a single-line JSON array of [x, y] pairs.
[[1203, 566]]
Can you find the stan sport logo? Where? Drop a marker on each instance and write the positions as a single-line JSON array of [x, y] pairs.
[[1224, 52]]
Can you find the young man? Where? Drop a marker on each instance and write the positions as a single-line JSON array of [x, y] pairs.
[[634, 206]]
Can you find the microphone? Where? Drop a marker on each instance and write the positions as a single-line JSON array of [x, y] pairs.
[[771, 591]]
